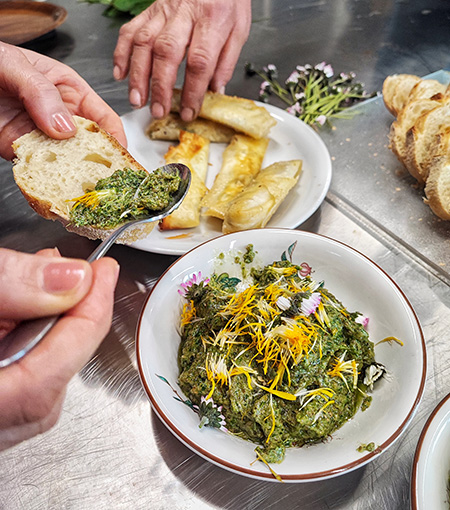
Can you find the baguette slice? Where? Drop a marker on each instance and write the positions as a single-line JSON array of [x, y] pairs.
[[192, 151], [242, 115], [426, 89], [422, 137], [437, 189], [258, 202], [50, 173], [242, 160], [405, 121], [396, 89], [171, 126]]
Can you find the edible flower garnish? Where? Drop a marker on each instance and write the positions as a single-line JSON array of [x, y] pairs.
[[373, 373], [195, 279], [211, 415], [315, 94], [216, 370], [342, 367], [361, 319], [310, 305]]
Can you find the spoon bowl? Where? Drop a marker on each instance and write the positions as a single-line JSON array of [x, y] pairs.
[[29, 333]]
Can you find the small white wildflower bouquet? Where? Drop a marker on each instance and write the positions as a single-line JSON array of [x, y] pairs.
[[314, 94]]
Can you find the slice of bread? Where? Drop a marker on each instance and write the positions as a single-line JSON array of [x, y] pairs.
[[405, 121], [437, 189], [422, 137], [50, 173], [426, 89], [396, 89]]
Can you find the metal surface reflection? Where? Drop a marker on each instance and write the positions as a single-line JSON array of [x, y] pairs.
[[109, 450]]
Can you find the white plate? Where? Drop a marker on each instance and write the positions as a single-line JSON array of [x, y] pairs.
[[361, 286], [289, 139], [431, 467]]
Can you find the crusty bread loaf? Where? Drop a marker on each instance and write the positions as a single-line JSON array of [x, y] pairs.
[[437, 189], [420, 137], [50, 173]]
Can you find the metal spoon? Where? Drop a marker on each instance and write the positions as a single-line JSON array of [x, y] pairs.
[[30, 332]]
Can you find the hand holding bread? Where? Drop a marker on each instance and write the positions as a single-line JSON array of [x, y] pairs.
[[52, 173]]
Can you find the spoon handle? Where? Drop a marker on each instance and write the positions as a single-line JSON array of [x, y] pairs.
[[106, 244]]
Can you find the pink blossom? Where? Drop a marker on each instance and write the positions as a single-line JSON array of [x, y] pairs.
[[310, 304], [195, 279], [361, 319], [321, 119]]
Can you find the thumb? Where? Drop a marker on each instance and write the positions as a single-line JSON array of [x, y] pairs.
[[40, 285], [39, 96]]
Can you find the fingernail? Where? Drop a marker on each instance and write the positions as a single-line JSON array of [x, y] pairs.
[[221, 90], [157, 111], [187, 114], [116, 73], [63, 123], [63, 276], [135, 97]]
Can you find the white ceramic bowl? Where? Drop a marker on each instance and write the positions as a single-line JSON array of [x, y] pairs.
[[361, 286], [431, 467]]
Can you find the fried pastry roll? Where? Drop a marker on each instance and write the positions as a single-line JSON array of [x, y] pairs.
[[242, 160], [193, 151], [257, 203], [243, 115], [170, 126]]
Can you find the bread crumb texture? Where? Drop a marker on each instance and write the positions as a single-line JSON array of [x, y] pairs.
[[50, 173]]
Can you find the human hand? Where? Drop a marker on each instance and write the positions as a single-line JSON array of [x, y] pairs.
[[154, 44], [33, 388], [37, 91]]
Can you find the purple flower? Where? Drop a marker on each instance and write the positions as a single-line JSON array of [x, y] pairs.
[[321, 119], [361, 319], [195, 279], [310, 304], [293, 78], [265, 87], [325, 68], [295, 109]]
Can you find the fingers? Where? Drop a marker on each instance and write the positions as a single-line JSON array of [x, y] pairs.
[[40, 97], [209, 33], [76, 336], [40, 285], [94, 108], [230, 53], [33, 388]]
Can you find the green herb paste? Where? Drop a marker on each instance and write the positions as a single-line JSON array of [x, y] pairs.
[[286, 370], [126, 194]]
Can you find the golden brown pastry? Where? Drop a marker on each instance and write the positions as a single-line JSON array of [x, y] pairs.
[[242, 160], [257, 203], [169, 129], [243, 115], [193, 151]]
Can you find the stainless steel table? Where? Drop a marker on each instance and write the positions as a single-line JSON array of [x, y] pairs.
[[109, 450]]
